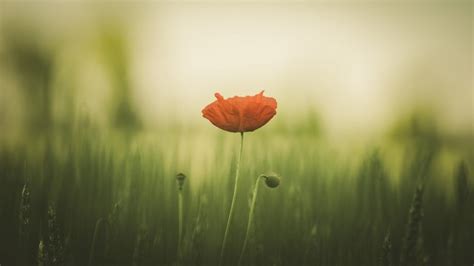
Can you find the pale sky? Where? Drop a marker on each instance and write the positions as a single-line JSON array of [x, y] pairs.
[[355, 64], [358, 65]]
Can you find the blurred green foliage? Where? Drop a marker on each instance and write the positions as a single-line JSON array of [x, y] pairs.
[[75, 193], [332, 208]]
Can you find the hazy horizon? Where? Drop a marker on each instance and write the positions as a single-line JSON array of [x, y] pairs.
[[359, 67]]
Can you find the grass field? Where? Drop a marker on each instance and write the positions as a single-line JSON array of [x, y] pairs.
[[100, 112], [84, 197]]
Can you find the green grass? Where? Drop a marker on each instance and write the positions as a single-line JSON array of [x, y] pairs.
[[336, 205]]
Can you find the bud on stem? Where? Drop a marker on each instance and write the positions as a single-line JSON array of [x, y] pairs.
[[272, 181], [180, 179]]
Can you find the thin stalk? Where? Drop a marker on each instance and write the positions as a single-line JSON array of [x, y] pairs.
[[231, 211], [249, 222], [94, 239], [180, 229]]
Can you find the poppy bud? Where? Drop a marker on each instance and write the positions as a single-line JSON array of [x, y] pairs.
[[180, 179], [272, 181]]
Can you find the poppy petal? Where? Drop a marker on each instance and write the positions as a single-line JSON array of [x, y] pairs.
[[240, 114]]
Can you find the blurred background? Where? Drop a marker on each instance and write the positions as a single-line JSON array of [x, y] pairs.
[[100, 108], [358, 67]]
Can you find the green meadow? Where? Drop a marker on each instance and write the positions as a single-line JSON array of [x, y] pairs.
[[105, 158], [90, 198]]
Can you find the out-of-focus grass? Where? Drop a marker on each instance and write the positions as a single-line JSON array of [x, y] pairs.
[[334, 206], [340, 202]]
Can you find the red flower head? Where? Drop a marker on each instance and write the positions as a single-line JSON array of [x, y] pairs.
[[240, 114]]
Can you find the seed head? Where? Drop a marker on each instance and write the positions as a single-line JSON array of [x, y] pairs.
[[272, 180], [41, 257], [25, 213], [180, 179]]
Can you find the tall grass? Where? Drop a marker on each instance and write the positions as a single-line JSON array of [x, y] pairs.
[[334, 207]]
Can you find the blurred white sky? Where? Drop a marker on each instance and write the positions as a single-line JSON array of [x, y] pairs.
[[359, 65], [356, 64]]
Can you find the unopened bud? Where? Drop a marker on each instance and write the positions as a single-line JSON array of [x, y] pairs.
[[180, 179], [272, 181]]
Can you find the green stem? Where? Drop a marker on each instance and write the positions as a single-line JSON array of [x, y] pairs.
[[231, 211], [180, 229], [249, 222], [94, 240]]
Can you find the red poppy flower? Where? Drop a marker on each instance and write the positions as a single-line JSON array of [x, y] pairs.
[[240, 114]]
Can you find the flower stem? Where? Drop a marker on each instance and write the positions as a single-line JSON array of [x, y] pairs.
[[180, 224], [94, 240], [231, 211], [249, 222]]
